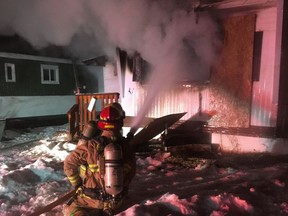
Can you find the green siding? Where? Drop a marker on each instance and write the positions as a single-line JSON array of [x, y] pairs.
[[28, 79]]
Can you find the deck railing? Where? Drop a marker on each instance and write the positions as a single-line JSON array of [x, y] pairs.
[[79, 114]]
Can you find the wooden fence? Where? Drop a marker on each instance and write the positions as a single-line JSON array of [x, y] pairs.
[[79, 114]]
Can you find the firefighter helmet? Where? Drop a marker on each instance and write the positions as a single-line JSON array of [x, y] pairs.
[[119, 108], [110, 119]]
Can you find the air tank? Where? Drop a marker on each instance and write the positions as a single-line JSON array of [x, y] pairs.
[[90, 130], [113, 176]]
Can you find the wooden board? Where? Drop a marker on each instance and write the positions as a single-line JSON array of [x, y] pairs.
[[155, 127], [231, 77]]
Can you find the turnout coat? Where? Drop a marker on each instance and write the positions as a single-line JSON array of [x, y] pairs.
[[85, 166]]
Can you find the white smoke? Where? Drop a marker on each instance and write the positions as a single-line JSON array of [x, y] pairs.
[[153, 28], [166, 33], [41, 22]]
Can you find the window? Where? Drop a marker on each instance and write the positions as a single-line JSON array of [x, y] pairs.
[[10, 72], [49, 74], [140, 69], [257, 50]]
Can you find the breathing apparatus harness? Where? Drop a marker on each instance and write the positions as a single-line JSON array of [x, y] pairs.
[[105, 158], [110, 167]]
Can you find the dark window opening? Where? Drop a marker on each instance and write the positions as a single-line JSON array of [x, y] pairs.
[[46, 75], [9, 73], [257, 51], [52, 75], [140, 69]]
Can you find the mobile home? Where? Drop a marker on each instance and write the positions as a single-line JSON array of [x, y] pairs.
[[243, 102], [34, 86]]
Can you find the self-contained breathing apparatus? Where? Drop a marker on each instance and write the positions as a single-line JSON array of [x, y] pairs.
[[109, 158], [111, 168], [110, 164], [113, 177]]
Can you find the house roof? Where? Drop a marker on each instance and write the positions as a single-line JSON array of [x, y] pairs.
[[236, 4], [16, 44], [34, 57], [96, 61]]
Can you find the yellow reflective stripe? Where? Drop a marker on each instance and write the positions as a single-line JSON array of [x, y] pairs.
[[109, 126], [74, 179], [83, 167], [82, 171], [94, 167], [84, 196]]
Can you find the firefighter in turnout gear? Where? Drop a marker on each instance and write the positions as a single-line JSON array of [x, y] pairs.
[[101, 168], [91, 130]]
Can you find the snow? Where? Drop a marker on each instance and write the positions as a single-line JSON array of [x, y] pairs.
[[166, 183]]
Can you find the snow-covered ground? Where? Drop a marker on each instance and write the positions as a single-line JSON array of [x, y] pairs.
[[166, 184]]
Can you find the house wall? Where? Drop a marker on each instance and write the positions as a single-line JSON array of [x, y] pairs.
[[27, 97], [28, 78], [90, 78], [264, 107], [98, 79], [111, 82], [191, 99], [265, 91], [225, 100]]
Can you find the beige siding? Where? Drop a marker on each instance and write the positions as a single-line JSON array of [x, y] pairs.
[[263, 109]]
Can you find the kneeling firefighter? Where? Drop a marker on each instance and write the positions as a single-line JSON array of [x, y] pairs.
[[101, 168]]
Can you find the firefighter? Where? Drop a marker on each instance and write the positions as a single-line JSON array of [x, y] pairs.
[[91, 130], [101, 169]]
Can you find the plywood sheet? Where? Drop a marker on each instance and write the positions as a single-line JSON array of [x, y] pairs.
[[231, 78]]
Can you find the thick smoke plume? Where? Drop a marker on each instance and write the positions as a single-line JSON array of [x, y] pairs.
[[167, 33]]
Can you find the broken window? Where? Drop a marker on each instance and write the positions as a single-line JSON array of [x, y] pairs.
[[140, 69], [137, 68], [257, 51]]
